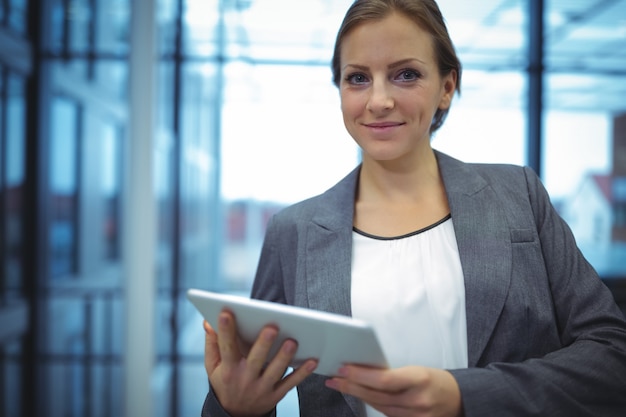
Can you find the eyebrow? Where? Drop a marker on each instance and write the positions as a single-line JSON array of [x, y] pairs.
[[392, 65]]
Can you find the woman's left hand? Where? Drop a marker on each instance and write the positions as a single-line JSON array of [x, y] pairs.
[[404, 392]]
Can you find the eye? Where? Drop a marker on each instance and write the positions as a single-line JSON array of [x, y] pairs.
[[408, 75], [356, 78]]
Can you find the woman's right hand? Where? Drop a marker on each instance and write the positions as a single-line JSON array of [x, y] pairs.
[[249, 385]]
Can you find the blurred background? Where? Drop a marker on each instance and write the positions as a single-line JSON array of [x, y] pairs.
[[144, 145]]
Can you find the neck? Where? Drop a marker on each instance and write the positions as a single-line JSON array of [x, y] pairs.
[[411, 181]]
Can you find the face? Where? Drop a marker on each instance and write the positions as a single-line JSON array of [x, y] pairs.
[[390, 88]]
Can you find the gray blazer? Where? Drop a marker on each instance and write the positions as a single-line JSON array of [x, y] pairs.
[[545, 336]]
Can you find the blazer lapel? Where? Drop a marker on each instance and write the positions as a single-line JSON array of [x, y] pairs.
[[328, 266], [483, 238], [329, 256]]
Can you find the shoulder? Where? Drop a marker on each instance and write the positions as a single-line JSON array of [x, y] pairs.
[[471, 176], [514, 188]]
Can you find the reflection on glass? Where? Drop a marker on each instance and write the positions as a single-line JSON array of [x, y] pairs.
[[14, 183], [3, 193], [112, 26], [82, 349], [72, 32], [79, 26], [63, 187], [11, 372], [111, 157], [55, 40], [199, 165], [164, 178], [80, 16], [201, 33], [112, 75], [17, 15]]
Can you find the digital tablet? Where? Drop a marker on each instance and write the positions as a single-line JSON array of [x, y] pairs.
[[332, 339]]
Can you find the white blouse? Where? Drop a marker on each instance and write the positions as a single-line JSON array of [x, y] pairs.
[[411, 289]]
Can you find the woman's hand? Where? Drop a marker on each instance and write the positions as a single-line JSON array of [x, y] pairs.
[[249, 385], [403, 392]]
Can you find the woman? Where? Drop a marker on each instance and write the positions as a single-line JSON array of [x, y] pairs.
[[483, 303]]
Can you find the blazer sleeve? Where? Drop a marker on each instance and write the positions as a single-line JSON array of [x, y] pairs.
[[212, 408], [586, 376]]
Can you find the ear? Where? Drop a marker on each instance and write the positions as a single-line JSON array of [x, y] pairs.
[[448, 89]]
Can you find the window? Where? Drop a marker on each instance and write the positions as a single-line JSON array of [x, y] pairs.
[[63, 187], [13, 310], [584, 126], [13, 14], [487, 122], [248, 121], [13, 187]]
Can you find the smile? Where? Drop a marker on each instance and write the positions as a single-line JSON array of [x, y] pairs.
[[383, 125]]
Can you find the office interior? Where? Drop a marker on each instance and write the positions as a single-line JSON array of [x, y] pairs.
[[145, 144]]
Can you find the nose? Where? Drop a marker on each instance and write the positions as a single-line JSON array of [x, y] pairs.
[[380, 99]]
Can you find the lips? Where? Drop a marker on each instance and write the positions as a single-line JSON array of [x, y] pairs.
[[382, 125]]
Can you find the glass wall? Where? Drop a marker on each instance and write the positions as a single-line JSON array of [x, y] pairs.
[[82, 103], [487, 122], [14, 71], [12, 257], [585, 140], [247, 122]]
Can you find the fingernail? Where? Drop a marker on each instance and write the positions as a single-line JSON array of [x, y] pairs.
[[223, 320], [343, 371], [310, 366], [331, 383], [289, 347]]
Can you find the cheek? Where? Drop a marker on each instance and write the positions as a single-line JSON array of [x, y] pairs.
[[351, 105]]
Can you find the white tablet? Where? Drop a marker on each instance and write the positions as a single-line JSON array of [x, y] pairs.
[[332, 339]]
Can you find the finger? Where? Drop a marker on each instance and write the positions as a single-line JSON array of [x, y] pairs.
[[280, 362], [388, 380], [211, 349], [296, 377], [376, 386], [227, 340], [258, 355], [371, 396]]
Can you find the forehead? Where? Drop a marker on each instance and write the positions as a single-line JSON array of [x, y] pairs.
[[387, 38]]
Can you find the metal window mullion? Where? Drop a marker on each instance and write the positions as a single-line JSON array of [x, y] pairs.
[[3, 161], [176, 207], [36, 223], [91, 40], [535, 84]]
